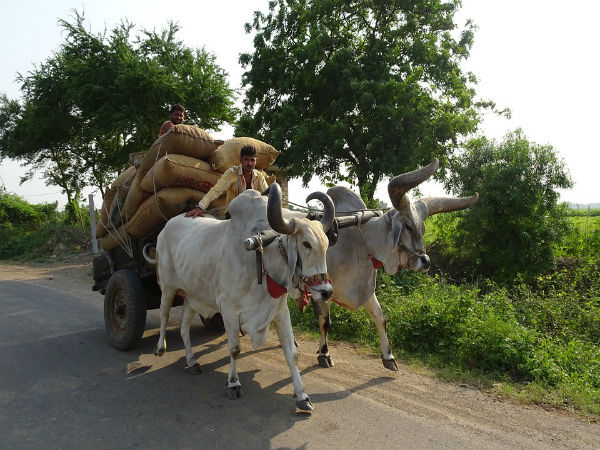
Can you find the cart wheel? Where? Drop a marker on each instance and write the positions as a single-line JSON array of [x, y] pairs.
[[124, 309], [214, 323]]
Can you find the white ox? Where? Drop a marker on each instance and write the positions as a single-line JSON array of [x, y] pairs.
[[205, 262], [393, 240]]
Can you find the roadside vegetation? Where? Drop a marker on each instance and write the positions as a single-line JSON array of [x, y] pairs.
[[37, 232], [533, 339]]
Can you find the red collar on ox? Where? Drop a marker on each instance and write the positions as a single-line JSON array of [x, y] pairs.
[[275, 289], [376, 263]]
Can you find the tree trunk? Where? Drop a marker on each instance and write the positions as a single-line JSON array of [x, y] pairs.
[[367, 187]]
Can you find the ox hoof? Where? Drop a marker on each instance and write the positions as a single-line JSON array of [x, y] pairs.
[[193, 370], [390, 364], [235, 392], [325, 361], [159, 351], [305, 405]]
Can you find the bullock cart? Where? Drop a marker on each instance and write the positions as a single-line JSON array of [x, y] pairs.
[[130, 288]]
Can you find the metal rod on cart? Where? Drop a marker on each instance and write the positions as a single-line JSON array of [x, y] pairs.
[[93, 224]]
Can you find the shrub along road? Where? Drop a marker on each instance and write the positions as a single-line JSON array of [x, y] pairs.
[[62, 386]]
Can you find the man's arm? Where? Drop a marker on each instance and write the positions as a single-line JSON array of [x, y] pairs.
[[166, 126], [226, 180], [262, 182]]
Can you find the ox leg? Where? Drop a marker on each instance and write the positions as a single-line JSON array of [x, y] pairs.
[[186, 320], [232, 327], [374, 309], [166, 300], [323, 352], [283, 327]]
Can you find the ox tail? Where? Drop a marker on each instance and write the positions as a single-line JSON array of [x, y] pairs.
[[147, 257]]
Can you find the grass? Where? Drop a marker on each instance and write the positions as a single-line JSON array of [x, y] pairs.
[[583, 238], [41, 242], [534, 342]]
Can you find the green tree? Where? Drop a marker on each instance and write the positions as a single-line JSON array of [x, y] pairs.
[[517, 220], [358, 89], [102, 96]]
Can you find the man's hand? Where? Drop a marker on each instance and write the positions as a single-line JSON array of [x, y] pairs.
[[195, 213]]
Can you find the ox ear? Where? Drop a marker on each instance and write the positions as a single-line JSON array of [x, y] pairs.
[[422, 209], [292, 255], [396, 230]]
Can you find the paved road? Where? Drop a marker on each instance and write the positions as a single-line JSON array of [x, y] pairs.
[[62, 386]]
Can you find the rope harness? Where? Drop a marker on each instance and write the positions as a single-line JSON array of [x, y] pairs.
[[275, 289]]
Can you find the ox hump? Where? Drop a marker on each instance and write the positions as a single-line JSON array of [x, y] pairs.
[[346, 198], [247, 203]]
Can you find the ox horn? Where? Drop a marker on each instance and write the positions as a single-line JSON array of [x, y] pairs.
[[274, 214], [401, 184], [328, 206], [437, 205]]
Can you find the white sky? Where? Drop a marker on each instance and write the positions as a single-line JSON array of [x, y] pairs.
[[537, 57]]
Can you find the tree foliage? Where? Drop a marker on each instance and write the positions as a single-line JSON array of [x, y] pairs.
[[517, 220], [373, 87], [103, 95], [14, 211]]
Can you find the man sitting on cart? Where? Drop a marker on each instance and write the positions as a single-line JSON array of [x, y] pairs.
[[176, 116], [235, 180]]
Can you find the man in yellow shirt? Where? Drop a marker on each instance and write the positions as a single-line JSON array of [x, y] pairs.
[[235, 180]]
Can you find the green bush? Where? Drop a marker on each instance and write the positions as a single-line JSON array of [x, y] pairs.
[[28, 230], [15, 211], [582, 240], [22, 242], [517, 221], [544, 332]]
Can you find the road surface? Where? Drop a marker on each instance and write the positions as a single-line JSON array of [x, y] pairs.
[[63, 386]]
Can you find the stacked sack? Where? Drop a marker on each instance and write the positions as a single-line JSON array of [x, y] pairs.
[[180, 167]]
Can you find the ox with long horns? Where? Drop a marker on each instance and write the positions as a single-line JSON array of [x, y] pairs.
[[368, 240], [204, 261]]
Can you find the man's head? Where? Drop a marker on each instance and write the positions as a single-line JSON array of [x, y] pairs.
[[248, 158], [177, 113]]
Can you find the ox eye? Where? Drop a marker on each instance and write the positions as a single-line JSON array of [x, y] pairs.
[[306, 244], [409, 228]]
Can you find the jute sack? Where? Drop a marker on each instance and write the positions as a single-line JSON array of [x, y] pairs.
[[182, 140], [270, 178], [180, 171], [160, 207], [218, 202], [114, 238], [109, 196], [228, 154], [217, 213], [118, 189], [135, 196]]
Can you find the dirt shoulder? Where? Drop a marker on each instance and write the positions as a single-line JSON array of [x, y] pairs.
[[437, 404]]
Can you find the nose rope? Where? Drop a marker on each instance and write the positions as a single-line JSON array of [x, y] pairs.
[[314, 280]]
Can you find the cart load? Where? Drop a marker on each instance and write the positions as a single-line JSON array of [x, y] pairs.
[[178, 169]]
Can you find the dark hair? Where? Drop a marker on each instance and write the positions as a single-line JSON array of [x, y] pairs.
[[247, 150], [176, 107]]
